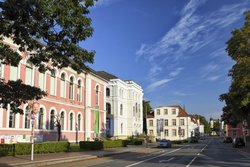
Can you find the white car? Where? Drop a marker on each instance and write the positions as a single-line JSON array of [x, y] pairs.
[[164, 143]]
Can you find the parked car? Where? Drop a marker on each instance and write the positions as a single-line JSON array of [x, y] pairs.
[[228, 140], [164, 143], [194, 139], [238, 142]]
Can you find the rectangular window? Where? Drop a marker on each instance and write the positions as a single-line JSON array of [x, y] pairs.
[[28, 75], [166, 132], [42, 81], [151, 132], [158, 112], [13, 73], [166, 111], [173, 132], [174, 122], [182, 122], [53, 83], [174, 111], [166, 122], [150, 122]]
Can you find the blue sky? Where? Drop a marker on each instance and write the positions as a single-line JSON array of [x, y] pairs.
[[175, 49]]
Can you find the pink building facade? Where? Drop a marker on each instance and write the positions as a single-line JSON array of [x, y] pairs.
[[77, 99]]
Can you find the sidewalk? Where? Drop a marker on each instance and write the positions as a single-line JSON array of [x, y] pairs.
[[57, 158], [245, 150]]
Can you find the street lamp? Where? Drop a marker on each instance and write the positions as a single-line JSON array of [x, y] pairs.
[[146, 129], [35, 109]]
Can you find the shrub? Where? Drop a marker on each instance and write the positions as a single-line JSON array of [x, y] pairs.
[[39, 148], [7, 149], [135, 141], [179, 141], [98, 145], [91, 145]]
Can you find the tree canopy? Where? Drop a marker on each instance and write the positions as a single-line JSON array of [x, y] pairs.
[[237, 99], [204, 122], [146, 110], [49, 33]]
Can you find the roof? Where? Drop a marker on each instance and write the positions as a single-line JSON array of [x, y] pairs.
[[106, 75], [182, 112], [151, 115]]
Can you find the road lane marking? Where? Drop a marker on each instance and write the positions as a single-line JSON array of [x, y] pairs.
[[151, 154], [137, 163], [166, 160], [189, 164]]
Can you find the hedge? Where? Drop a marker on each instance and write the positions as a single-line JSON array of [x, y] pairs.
[[99, 145], [135, 141], [179, 141], [7, 149], [39, 148]]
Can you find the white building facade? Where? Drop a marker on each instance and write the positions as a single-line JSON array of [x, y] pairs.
[[124, 107], [173, 123]]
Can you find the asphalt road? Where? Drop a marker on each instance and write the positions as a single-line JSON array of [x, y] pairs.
[[208, 153]]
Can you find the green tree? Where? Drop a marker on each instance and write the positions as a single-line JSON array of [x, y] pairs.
[[49, 29], [237, 99], [204, 122], [146, 110]]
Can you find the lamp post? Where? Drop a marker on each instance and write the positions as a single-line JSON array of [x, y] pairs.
[[33, 113], [146, 129]]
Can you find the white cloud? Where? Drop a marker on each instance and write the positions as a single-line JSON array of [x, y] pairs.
[[179, 93], [189, 35], [104, 2], [175, 72], [213, 78], [209, 68], [156, 84]]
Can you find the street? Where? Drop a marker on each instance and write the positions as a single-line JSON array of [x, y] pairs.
[[210, 152]]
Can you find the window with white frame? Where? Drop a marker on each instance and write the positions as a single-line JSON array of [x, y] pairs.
[[174, 122], [62, 120], [182, 122], [97, 95], [165, 111], [151, 123], [166, 122], [108, 108], [53, 82], [63, 85], [79, 90], [52, 119], [79, 122], [158, 111], [42, 81], [151, 132], [174, 132], [121, 128], [71, 88], [166, 132], [12, 119], [71, 121], [13, 73], [173, 111], [29, 73], [121, 109], [107, 92], [40, 118]]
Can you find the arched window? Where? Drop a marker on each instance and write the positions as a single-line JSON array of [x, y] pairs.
[[121, 128], [52, 119], [97, 95], [62, 118], [107, 92], [53, 82], [62, 85], [108, 108], [12, 119], [71, 88], [79, 90], [29, 73], [71, 121], [27, 119], [121, 109], [79, 122], [40, 118], [136, 107]]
